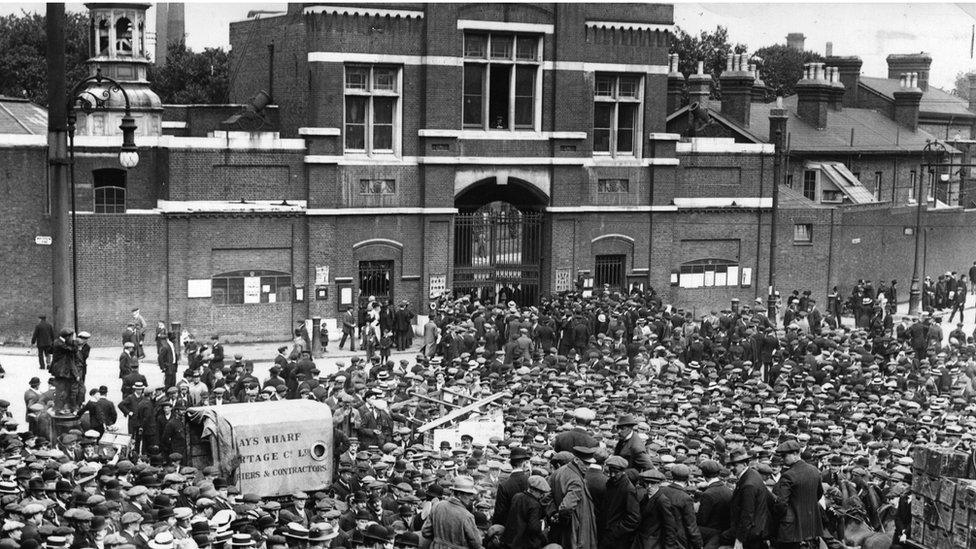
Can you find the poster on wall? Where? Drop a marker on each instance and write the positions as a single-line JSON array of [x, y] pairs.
[[438, 283], [198, 288], [322, 275], [252, 289], [563, 280]]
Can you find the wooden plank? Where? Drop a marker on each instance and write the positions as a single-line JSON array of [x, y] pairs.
[[460, 412], [434, 400]]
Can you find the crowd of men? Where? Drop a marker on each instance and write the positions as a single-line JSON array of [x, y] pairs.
[[630, 424]]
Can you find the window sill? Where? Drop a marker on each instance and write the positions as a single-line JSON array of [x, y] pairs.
[[802, 243]]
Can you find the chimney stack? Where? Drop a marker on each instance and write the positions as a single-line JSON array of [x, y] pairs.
[[699, 85], [796, 40], [836, 89], [777, 122], [758, 86], [849, 69], [907, 99], [829, 49], [813, 93], [919, 63], [676, 84], [737, 83]]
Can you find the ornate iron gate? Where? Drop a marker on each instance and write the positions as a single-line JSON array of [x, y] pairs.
[[498, 255], [610, 271], [376, 279]]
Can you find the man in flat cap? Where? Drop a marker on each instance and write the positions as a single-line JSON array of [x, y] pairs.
[[576, 526], [682, 508], [795, 498], [620, 507], [713, 503]]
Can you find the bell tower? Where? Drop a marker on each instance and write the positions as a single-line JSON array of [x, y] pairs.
[[118, 50]]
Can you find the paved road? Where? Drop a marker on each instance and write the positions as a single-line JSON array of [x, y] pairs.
[[21, 365]]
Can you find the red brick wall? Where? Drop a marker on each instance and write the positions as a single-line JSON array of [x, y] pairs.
[[235, 175], [26, 288]]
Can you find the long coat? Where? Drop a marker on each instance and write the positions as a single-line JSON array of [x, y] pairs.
[[572, 499], [517, 482], [750, 508], [714, 510], [523, 526], [797, 511], [449, 526], [622, 513], [634, 452], [682, 510], [656, 527]]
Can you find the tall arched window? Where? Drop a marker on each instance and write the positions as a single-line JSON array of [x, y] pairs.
[[109, 184], [123, 36], [102, 37]]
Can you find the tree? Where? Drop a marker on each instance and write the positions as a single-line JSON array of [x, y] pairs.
[[191, 78], [23, 54], [781, 67], [961, 87], [711, 47]]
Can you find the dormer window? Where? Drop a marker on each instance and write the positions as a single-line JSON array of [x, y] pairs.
[[123, 36]]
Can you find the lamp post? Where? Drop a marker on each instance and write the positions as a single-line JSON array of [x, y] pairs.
[[89, 101], [933, 158]]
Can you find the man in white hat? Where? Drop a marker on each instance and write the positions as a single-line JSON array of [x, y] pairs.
[[450, 524]]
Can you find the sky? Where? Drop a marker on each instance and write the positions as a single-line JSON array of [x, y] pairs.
[[869, 30]]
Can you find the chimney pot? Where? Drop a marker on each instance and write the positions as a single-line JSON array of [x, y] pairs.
[[728, 63], [701, 67]]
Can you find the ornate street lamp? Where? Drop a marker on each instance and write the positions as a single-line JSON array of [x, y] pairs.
[[83, 97], [934, 156]]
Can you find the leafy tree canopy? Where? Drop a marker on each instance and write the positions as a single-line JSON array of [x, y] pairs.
[[782, 66], [23, 54], [191, 78], [712, 48]]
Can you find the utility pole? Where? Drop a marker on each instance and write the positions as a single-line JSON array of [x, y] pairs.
[[777, 127], [57, 141]]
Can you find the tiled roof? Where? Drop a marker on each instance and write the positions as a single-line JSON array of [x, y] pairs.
[[873, 132], [845, 181], [793, 199], [934, 100], [20, 116]]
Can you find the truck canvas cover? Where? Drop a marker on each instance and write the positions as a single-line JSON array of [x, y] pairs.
[[270, 448]]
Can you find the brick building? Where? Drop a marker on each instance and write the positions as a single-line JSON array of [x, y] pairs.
[[853, 167], [503, 150]]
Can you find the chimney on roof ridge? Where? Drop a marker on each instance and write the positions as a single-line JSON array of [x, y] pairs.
[[813, 93], [676, 84], [849, 73], [737, 83], [796, 40], [907, 100], [758, 86], [837, 91], [699, 85], [919, 63]]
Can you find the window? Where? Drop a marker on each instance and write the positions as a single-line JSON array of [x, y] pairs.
[[377, 186], [834, 197], [912, 184], [877, 185], [930, 187], [616, 114], [109, 185], [810, 184], [501, 74], [707, 273], [789, 180], [376, 279], [613, 186], [102, 37], [610, 271], [372, 108], [803, 233], [123, 36], [241, 287]]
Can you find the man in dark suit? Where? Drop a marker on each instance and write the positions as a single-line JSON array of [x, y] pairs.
[[348, 323], [630, 446], [682, 509], [127, 360], [749, 506], [168, 359], [814, 317], [517, 482], [402, 325], [795, 498], [43, 338], [656, 527], [713, 503], [579, 435]]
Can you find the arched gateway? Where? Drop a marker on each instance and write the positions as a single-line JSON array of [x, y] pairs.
[[499, 241]]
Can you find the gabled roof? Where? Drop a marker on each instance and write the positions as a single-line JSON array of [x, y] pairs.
[[873, 132], [20, 116], [716, 116], [794, 200], [934, 100]]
